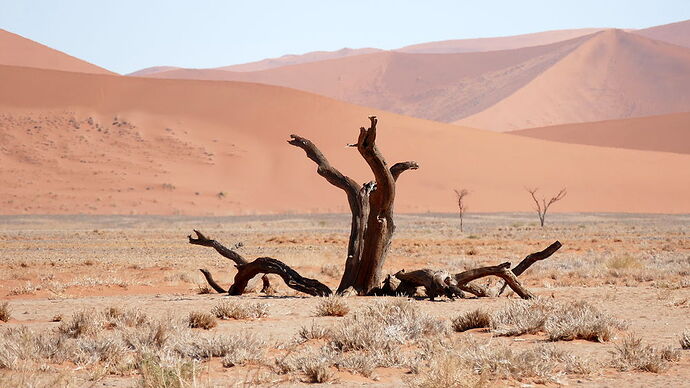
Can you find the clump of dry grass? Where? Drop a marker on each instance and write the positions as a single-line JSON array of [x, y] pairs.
[[81, 323], [383, 326], [475, 319], [685, 340], [156, 373], [631, 354], [560, 321], [314, 332], [332, 306], [203, 289], [580, 320], [239, 310], [201, 320], [5, 311], [473, 364], [623, 262]]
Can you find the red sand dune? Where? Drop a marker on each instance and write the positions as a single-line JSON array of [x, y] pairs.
[[19, 51], [668, 133], [612, 75], [497, 43], [72, 143], [676, 33], [441, 87], [290, 59], [608, 75]]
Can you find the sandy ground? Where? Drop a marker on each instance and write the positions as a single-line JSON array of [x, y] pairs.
[[633, 267]]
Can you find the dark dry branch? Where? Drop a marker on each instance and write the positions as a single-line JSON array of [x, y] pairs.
[[265, 265], [533, 258]]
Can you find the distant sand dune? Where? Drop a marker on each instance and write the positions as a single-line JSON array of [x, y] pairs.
[[100, 144]]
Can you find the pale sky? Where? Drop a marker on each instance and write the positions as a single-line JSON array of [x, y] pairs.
[[128, 35]]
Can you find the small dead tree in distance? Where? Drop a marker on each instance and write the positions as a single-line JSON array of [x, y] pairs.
[[461, 194], [542, 207]]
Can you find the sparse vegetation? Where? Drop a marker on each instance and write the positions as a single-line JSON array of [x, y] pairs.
[[475, 319], [239, 310], [332, 306], [631, 354], [685, 340], [5, 311], [202, 320]]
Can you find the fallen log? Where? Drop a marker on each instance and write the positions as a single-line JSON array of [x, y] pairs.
[[248, 269], [435, 283]]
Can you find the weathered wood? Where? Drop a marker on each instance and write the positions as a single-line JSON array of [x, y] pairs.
[[212, 282], [501, 270], [371, 206], [435, 283], [266, 265], [531, 259], [226, 252]]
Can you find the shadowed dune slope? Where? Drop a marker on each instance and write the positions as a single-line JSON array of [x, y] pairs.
[[676, 33], [441, 87], [72, 143], [612, 75], [667, 133], [16, 50], [497, 43]]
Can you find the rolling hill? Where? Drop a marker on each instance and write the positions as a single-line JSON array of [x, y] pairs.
[[16, 50], [667, 133], [101, 144]]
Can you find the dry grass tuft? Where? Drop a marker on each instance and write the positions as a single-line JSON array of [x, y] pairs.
[[203, 289], [631, 354], [5, 312], [623, 262], [332, 306], [201, 320], [158, 374], [580, 320], [238, 310], [310, 333], [561, 321], [685, 340], [317, 371], [471, 320], [384, 326], [81, 323]]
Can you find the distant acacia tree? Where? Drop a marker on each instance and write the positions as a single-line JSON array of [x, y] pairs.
[[461, 194], [543, 206]]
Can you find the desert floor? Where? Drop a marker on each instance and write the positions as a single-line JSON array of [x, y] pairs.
[[632, 268]]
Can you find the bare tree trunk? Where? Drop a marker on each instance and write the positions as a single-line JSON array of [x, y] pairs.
[[371, 206], [531, 259]]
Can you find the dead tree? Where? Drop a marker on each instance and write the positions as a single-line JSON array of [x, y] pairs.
[[438, 282], [542, 207], [371, 206], [246, 270], [461, 194]]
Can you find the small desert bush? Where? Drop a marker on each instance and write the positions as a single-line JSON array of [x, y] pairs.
[[471, 320], [560, 321], [157, 374], [472, 364], [317, 371], [623, 262], [331, 306], [581, 320], [5, 311], [384, 326], [239, 310], [631, 354], [81, 323], [685, 340], [201, 320], [309, 333]]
